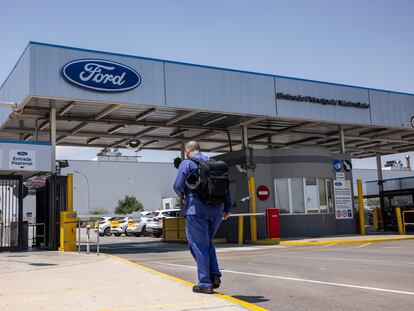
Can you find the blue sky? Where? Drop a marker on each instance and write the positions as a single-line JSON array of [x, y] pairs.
[[366, 43]]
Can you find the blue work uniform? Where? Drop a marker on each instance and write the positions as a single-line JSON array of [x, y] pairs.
[[202, 222]]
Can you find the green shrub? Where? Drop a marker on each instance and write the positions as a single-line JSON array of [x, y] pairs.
[[128, 205]]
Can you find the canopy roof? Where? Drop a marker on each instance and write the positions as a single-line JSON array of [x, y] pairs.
[[177, 102]]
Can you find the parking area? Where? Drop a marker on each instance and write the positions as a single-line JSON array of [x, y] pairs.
[[370, 276]]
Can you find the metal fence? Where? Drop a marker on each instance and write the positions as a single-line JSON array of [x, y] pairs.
[[11, 224]]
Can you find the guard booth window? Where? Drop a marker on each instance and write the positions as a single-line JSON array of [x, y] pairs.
[[303, 195]]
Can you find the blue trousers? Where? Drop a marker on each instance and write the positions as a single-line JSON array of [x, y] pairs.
[[200, 233]]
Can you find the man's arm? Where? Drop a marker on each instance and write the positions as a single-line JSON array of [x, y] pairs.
[[182, 174], [228, 203]]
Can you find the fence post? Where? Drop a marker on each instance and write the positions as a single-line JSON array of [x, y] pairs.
[[97, 241], [361, 208], [399, 221], [253, 220], [88, 230], [79, 236], [375, 219], [240, 235]]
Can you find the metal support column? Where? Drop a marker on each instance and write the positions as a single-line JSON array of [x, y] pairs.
[[52, 122], [182, 149], [245, 139], [52, 197], [341, 139], [381, 188]]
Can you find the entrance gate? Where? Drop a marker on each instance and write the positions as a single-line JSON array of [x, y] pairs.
[[11, 213]]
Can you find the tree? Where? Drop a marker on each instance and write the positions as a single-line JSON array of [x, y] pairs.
[[128, 205]]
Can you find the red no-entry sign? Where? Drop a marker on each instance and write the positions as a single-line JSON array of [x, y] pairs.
[[262, 192]]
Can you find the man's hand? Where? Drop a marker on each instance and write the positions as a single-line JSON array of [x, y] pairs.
[[226, 215]]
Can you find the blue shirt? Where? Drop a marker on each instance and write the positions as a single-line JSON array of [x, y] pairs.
[[193, 204]]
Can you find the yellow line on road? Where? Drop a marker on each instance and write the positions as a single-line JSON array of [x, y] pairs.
[[242, 303], [363, 245], [346, 241]]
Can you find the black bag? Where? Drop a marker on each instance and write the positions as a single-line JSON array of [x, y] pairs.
[[212, 181]]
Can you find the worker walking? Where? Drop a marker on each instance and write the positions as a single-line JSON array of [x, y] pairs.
[[204, 186]]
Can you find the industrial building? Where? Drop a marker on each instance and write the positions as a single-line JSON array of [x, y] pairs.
[[296, 137]]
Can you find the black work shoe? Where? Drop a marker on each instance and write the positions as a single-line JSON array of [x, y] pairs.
[[203, 289], [216, 281]]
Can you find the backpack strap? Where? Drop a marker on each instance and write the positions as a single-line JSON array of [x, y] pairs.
[[197, 161]]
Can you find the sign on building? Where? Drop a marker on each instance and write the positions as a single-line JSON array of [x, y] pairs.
[[22, 156], [343, 199]]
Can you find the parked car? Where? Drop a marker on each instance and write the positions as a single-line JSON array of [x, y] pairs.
[[154, 226], [137, 226], [104, 225], [119, 225]]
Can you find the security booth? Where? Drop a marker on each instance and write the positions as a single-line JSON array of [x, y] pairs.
[[294, 137], [303, 183]]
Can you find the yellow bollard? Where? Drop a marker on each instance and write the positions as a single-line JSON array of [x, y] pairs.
[[375, 219], [253, 221], [240, 237], [399, 220], [379, 214], [361, 208]]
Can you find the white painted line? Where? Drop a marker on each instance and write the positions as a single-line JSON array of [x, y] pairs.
[[377, 261], [385, 290], [248, 248], [363, 245]]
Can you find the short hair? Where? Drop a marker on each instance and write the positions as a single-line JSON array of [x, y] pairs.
[[192, 146]]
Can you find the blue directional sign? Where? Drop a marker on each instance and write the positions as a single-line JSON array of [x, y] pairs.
[[337, 165]]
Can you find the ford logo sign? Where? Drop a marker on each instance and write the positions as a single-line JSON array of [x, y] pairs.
[[101, 75], [22, 153], [338, 183]]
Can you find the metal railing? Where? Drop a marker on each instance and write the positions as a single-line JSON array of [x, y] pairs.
[[79, 242], [35, 236]]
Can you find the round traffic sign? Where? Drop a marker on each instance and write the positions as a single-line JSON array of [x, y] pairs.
[[337, 165], [262, 192], [412, 121], [347, 165]]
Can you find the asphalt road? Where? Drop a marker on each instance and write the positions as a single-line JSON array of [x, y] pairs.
[[377, 276]]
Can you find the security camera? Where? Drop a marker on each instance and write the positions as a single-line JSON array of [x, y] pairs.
[[134, 144]]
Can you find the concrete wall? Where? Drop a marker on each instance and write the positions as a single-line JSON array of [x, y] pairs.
[[111, 181]]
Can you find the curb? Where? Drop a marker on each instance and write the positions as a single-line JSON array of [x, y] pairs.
[[333, 242], [239, 302]]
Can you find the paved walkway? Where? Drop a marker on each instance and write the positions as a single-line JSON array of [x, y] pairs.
[[71, 281]]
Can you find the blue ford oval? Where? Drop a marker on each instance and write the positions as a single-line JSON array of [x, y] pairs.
[[101, 75], [22, 153]]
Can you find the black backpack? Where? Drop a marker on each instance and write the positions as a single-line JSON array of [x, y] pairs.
[[212, 181]]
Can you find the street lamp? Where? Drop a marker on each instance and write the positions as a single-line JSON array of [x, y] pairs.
[[87, 182]]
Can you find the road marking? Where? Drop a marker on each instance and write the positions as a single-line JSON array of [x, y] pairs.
[[385, 290], [349, 259], [328, 245], [363, 245], [240, 302]]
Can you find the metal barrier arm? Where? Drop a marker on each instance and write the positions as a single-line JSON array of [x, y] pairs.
[[241, 224]]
